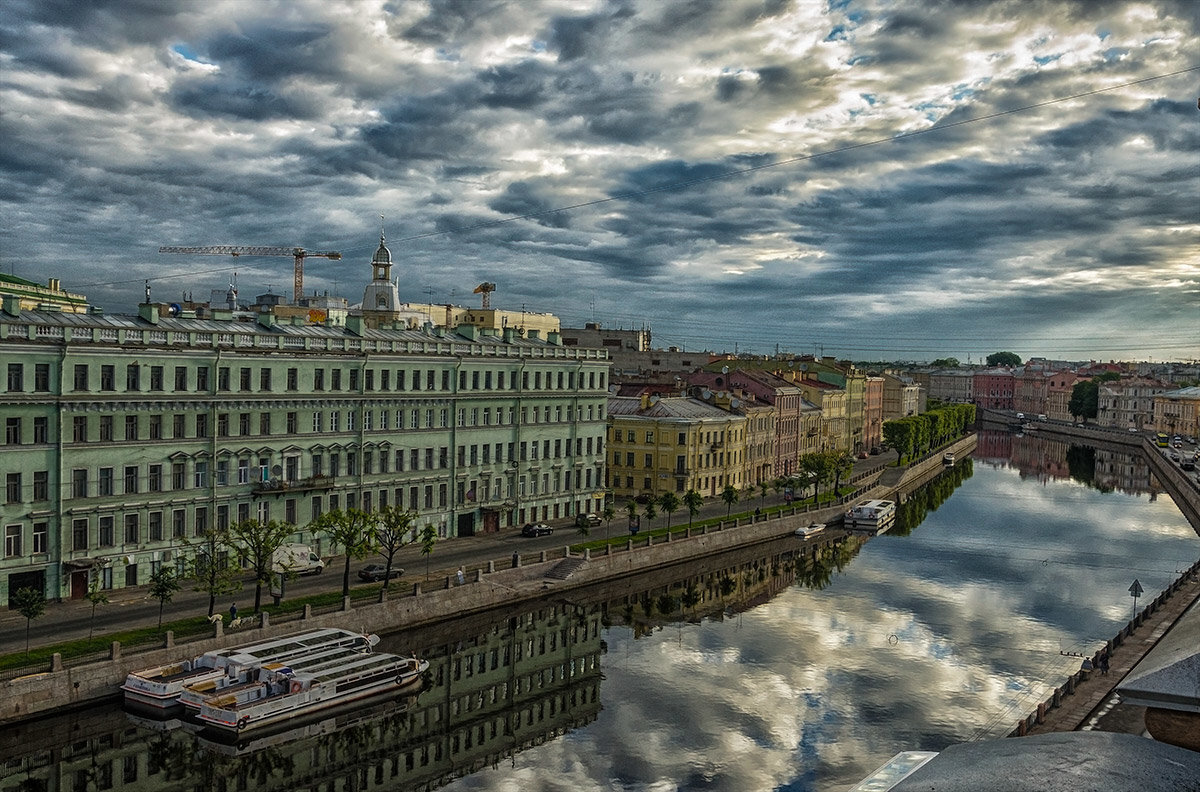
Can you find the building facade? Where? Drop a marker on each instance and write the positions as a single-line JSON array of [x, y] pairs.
[[126, 436], [1178, 412]]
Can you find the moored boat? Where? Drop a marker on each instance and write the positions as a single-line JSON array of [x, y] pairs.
[[873, 515], [948, 458], [282, 692], [810, 529], [160, 687]]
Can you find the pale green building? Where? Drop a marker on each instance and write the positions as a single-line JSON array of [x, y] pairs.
[[124, 435]]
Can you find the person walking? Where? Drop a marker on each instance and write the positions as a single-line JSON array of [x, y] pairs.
[[233, 612], [461, 577]]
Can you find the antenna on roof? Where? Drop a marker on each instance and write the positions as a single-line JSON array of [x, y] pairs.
[[147, 291]]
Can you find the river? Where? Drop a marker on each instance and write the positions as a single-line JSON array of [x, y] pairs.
[[800, 666]]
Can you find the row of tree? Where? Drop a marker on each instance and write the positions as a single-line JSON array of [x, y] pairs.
[[917, 434]]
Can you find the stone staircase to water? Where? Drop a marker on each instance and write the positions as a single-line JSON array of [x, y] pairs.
[[565, 568]]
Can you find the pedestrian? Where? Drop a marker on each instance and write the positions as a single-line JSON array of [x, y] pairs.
[[461, 577], [516, 559], [1104, 663], [232, 612]]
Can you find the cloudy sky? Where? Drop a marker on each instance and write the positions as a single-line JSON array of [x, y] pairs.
[[877, 180]]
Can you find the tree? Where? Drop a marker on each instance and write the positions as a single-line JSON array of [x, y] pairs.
[[632, 510], [96, 596], [163, 585], [730, 496], [427, 539], [693, 501], [607, 515], [353, 531], [670, 504], [30, 603], [946, 362], [1004, 359], [841, 464], [1085, 400], [763, 487], [257, 542], [210, 566], [651, 513], [394, 525]]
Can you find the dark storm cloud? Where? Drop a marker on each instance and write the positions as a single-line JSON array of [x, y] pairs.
[[249, 101], [451, 20], [521, 198]]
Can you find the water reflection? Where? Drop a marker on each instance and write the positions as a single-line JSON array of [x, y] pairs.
[[792, 664]]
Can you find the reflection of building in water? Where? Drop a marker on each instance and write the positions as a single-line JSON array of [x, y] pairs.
[[1035, 455], [489, 697]]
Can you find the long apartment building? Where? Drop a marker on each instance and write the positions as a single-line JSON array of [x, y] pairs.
[[126, 435]]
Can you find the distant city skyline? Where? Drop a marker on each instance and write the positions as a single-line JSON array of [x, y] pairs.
[[869, 180]]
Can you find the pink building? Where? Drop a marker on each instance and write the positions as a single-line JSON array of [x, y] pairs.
[[994, 389]]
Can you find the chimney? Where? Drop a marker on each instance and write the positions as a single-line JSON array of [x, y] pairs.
[[12, 304], [148, 312]]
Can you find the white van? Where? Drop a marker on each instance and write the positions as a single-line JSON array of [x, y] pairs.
[[296, 559], [1041, 417]]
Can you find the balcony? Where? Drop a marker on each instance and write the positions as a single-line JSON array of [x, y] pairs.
[[279, 486]]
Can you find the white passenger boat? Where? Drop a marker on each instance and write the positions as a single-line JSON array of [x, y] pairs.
[[873, 515], [246, 670], [283, 692], [810, 529], [160, 687]]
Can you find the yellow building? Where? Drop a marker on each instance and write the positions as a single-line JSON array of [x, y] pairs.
[[832, 402], [526, 323], [674, 444], [1178, 412], [22, 295]]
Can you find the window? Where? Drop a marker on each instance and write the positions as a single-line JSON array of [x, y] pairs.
[[202, 379], [41, 485], [79, 428], [106, 531], [178, 523], [291, 422], [202, 425], [156, 427], [132, 529], [370, 380], [178, 476], [79, 483], [244, 424], [156, 378], [81, 376], [12, 431], [12, 488], [201, 524], [319, 379], [131, 479], [108, 378], [178, 426], [335, 421], [12, 540], [353, 379], [264, 423], [79, 534], [154, 480], [318, 422], [105, 481], [223, 378], [156, 526], [293, 379], [41, 377], [181, 378], [16, 377], [264, 379], [106, 428], [243, 471], [244, 378], [336, 379], [222, 472], [200, 478]]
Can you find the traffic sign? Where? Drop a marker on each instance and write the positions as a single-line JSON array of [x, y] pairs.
[[1136, 590]]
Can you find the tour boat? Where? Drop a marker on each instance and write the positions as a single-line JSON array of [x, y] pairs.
[[246, 670], [874, 515], [283, 692], [161, 686]]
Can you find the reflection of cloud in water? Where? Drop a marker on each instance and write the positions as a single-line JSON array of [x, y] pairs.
[[811, 690]]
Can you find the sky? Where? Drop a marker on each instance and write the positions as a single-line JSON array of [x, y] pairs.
[[875, 180]]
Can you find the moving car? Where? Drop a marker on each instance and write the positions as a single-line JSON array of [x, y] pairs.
[[590, 520], [375, 572], [541, 529]]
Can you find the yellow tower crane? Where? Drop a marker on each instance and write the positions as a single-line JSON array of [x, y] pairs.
[[299, 254]]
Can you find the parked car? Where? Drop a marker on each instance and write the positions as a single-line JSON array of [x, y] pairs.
[[373, 573], [589, 520], [540, 529]]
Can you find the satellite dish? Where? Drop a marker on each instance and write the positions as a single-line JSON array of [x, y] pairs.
[[724, 369], [175, 309], [734, 403], [706, 394]]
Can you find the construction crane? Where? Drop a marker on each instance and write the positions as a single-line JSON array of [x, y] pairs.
[[485, 289], [299, 254]]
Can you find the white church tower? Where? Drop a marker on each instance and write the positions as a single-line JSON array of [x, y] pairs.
[[381, 296]]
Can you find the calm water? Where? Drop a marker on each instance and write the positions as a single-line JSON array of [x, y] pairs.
[[949, 633]]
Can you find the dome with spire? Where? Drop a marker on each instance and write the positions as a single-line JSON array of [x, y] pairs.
[[383, 256]]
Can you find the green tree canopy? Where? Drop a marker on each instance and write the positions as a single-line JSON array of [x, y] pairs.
[[353, 530], [730, 495], [1004, 359], [30, 603], [946, 362], [210, 566], [257, 542], [1085, 399], [669, 503], [391, 534], [693, 501], [163, 585]]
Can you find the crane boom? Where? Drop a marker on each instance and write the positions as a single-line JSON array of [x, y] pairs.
[[297, 253]]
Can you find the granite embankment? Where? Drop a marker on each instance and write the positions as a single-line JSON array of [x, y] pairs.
[[498, 583]]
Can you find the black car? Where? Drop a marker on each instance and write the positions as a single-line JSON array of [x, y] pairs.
[[374, 573], [541, 529]]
